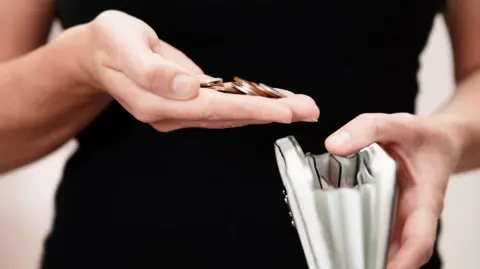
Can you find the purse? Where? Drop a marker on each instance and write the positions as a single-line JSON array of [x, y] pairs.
[[342, 207]]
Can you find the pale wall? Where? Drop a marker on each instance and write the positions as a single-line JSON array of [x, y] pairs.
[[26, 194]]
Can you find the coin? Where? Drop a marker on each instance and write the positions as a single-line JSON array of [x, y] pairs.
[[210, 82], [241, 86], [226, 88], [243, 89], [271, 91], [261, 91], [252, 87]]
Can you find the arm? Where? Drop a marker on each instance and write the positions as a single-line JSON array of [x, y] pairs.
[[42, 103], [462, 113], [51, 93], [426, 149], [24, 26]]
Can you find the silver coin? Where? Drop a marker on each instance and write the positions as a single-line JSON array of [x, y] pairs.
[[211, 82]]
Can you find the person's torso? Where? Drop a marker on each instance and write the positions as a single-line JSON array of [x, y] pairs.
[[351, 56]]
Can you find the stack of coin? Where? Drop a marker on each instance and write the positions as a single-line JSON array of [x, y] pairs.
[[241, 86]]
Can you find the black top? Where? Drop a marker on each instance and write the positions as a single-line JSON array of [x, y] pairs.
[[132, 197]]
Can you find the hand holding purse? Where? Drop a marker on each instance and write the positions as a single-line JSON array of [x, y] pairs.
[[342, 207]]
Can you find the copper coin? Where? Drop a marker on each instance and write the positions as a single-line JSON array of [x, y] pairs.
[[240, 81], [226, 88], [250, 86], [253, 87], [243, 89], [241, 86], [272, 91], [260, 90]]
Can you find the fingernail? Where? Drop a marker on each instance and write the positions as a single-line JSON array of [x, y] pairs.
[[311, 120], [183, 86], [339, 139]]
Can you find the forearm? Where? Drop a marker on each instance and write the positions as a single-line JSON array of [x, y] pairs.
[[462, 117], [43, 101]]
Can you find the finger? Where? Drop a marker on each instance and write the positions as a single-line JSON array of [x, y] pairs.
[[303, 107], [403, 208], [132, 54], [393, 250], [203, 77], [171, 125], [209, 105], [213, 105], [367, 129], [418, 240], [160, 76]]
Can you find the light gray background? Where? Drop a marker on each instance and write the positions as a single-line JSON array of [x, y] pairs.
[[26, 195]]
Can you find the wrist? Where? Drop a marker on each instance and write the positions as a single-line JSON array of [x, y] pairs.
[[74, 61], [458, 134]]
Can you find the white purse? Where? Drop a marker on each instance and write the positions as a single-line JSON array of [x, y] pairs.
[[342, 207]]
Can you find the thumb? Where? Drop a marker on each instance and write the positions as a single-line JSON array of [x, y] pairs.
[[367, 129], [134, 51], [161, 76]]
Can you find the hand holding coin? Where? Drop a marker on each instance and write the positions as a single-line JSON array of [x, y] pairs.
[[220, 105], [160, 86]]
